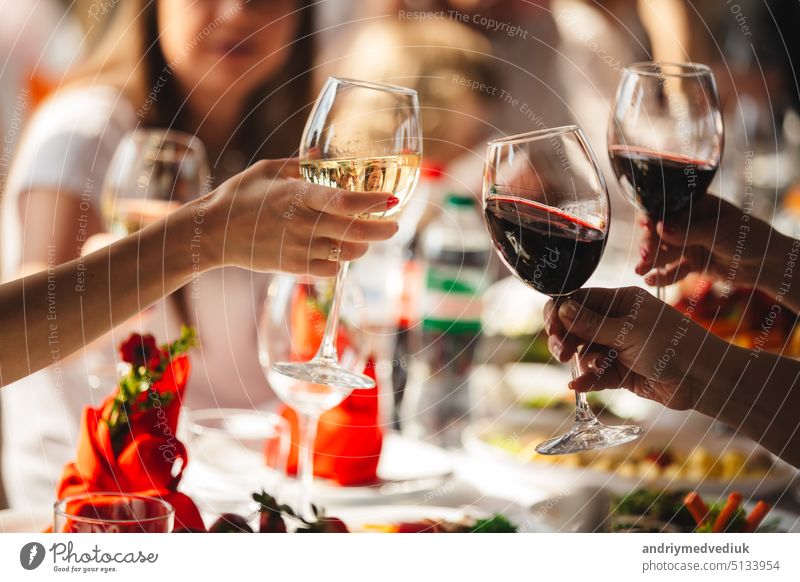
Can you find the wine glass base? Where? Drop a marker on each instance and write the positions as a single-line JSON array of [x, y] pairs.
[[325, 374], [588, 436]]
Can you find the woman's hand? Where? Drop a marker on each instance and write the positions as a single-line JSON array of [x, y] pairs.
[[265, 219], [715, 238], [629, 339]]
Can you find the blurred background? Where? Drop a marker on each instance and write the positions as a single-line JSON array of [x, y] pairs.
[[241, 76]]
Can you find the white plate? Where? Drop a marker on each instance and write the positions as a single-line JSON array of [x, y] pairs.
[[554, 477], [585, 510], [406, 468]]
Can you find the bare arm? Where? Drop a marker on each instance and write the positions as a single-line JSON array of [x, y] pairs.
[[758, 394], [55, 226], [658, 353], [255, 220], [726, 243], [51, 313]]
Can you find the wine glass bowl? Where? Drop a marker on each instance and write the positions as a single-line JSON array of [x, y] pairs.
[[665, 137], [548, 218], [360, 136], [547, 210], [152, 172]]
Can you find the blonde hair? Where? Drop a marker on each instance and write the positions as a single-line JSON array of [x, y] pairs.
[[428, 56]]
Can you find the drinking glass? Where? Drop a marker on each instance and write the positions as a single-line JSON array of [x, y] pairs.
[[238, 442], [113, 513], [365, 137], [153, 172], [665, 137], [296, 315], [547, 210]]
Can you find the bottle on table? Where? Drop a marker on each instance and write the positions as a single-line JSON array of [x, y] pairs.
[[455, 250]]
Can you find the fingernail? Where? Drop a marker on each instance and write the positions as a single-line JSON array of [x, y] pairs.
[[645, 223], [392, 201], [643, 253], [569, 310]]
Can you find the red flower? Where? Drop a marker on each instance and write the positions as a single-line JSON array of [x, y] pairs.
[[140, 350]]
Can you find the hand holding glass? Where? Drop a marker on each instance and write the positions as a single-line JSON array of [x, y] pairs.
[[547, 210]]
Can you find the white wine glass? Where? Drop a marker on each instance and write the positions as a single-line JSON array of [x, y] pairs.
[[364, 137], [153, 172], [294, 320]]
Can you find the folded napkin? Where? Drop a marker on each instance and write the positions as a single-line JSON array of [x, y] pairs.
[[144, 455], [349, 439]]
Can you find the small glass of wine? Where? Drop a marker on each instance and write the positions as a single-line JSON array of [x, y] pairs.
[[547, 210], [153, 172], [665, 137], [113, 513], [365, 137]]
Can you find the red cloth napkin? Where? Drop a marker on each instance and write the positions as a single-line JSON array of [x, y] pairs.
[[349, 438], [149, 459]]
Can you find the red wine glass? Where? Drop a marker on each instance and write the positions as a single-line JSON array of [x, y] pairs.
[[665, 136], [546, 207]]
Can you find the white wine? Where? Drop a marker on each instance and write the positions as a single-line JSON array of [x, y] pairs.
[[127, 215], [394, 174]]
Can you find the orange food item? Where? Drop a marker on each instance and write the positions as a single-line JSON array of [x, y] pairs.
[[697, 507], [727, 513], [756, 516]]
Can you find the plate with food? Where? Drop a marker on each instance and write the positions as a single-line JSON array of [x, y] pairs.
[[653, 510], [267, 515], [667, 460]]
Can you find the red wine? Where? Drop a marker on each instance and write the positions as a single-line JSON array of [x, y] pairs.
[[550, 250], [662, 184]]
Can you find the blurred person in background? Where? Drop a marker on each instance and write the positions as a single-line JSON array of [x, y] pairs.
[[598, 39], [755, 53], [231, 72], [451, 68], [522, 37]]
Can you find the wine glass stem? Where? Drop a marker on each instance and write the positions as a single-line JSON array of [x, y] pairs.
[[307, 425], [327, 350], [583, 413]]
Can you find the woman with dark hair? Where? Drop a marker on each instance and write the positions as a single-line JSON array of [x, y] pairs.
[[236, 74]]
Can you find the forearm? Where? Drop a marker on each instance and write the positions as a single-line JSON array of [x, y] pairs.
[[756, 393], [50, 314], [781, 274]]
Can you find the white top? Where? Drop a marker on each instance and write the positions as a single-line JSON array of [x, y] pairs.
[[68, 147]]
